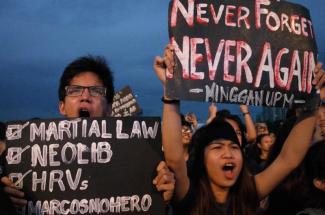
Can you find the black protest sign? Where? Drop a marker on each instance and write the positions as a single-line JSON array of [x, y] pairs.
[[86, 166], [238, 51], [125, 104]]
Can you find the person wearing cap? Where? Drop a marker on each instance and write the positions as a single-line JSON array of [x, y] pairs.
[[86, 89], [220, 182]]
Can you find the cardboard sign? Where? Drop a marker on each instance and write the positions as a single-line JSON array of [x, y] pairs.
[[86, 166], [238, 51], [125, 104]]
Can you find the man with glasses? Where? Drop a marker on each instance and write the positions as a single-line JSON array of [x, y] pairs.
[[86, 90]]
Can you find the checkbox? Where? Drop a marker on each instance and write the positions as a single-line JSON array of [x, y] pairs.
[[16, 177], [14, 154]]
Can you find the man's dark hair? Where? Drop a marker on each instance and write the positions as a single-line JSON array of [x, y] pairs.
[[3, 129], [89, 63]]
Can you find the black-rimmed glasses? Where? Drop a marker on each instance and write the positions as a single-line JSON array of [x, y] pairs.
[[75, 90], [186, 130]]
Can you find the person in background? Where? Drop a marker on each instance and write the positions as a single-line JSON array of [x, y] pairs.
[[86, 89], [187, 133], [258, 153]]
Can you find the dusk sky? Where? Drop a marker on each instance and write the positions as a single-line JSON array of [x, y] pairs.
[[39, 38]]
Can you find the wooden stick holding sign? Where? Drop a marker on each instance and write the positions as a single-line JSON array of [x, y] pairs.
[[86, 166], [238, 51]]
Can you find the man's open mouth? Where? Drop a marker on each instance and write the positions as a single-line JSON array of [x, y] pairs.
[[84, 113]]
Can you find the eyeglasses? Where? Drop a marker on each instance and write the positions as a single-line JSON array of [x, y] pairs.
[[186, 130], [75, 90], [262, 128]]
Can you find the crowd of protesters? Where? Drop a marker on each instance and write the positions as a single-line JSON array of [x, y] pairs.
[[236, 168], [226, 166]]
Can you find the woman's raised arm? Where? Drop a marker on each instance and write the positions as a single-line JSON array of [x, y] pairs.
[[171, 128]]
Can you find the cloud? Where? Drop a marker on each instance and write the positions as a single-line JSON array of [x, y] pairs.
[[40, 37]]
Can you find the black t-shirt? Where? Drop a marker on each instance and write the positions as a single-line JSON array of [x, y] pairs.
[[185, 206]]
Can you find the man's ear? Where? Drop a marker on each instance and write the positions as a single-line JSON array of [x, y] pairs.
[[62, 108], [319, 184]]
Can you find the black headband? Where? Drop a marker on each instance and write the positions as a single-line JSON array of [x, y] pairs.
[[217, 129]]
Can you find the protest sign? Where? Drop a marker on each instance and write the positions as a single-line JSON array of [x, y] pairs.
[[86, 166], [125, 104], [237, 51]]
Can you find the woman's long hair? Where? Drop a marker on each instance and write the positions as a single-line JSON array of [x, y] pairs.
[[286, 197], [242, 195]]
